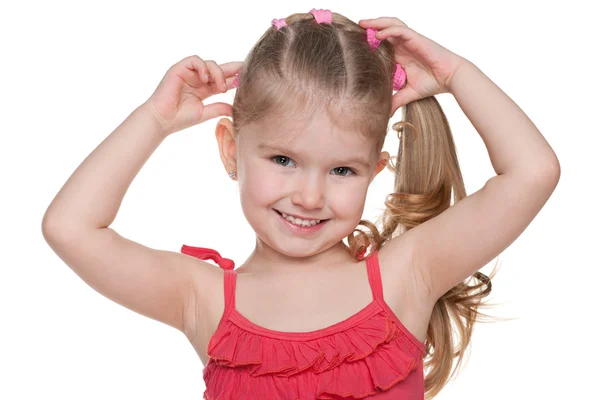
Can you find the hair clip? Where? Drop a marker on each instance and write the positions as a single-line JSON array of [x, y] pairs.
[[278, 23], [399, 77], [321, 16], [373, 41]]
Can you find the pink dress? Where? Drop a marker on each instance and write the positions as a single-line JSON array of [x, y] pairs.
[[368, 355]]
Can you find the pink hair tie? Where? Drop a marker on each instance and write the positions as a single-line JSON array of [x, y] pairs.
[[321, 16], [399, 77], [373, 41], [400, 73], [278, 23]]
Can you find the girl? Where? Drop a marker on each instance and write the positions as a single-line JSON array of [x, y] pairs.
[[308, 122]]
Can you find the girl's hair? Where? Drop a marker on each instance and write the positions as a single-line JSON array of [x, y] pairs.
[[307, 66]]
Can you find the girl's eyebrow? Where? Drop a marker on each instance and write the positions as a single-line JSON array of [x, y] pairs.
[[353, 160]]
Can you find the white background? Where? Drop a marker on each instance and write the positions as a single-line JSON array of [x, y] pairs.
[[73, 71]]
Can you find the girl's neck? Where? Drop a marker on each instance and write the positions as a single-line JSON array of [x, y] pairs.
[[265, 259]]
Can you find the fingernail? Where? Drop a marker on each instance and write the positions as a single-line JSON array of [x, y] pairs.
[[205, 77]]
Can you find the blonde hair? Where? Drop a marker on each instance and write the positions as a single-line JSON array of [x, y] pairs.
[[307, 66]]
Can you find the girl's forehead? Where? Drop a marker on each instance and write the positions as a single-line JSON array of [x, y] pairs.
[[316, 141], [317, 130]]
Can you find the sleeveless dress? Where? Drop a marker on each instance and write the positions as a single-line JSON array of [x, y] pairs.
[[369, 355]]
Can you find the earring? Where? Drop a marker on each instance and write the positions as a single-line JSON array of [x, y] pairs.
[[232, 174]]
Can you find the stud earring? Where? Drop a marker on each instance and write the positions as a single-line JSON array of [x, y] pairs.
[[232, 174]]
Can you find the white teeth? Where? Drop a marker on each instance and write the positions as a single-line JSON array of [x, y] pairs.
[[300, 222]]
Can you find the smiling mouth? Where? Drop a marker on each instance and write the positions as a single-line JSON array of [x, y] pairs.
[[318, 223]]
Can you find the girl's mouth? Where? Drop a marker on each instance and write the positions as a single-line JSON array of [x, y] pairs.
[[304, 227]]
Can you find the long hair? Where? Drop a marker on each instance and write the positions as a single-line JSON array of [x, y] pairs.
[[308, 66]]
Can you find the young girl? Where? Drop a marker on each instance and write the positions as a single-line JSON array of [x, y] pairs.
[[308, 122]]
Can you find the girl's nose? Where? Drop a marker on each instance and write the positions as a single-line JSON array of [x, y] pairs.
[[309, 193]]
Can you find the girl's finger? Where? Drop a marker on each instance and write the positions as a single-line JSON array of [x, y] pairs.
[[231, 68], [398, 100], [198, 65], [229, 71], [381, 22], [216, 110], [401, 32], [217, 76]]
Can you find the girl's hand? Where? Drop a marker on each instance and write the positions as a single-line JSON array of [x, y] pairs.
[[177, 102], [429, 66]]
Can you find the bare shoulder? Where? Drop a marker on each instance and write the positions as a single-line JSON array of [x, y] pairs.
[[404, 289], [205, 312]]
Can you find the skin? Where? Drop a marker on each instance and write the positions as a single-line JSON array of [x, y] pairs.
[[307, 174]]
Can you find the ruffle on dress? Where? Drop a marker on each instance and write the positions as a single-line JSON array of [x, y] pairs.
[[363, 360]]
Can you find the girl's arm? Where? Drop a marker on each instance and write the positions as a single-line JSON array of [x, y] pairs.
[[91, 197], [452, 246], [515, 146], [478, 228], [170, 287], [161, 285]]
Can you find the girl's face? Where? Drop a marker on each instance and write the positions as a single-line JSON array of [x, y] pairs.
[[312, 170]]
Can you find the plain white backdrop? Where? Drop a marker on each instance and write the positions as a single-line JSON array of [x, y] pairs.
[[73, 71]]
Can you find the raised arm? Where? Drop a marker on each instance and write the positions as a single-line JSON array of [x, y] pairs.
[[455, 244], [166, 286], [157, 284]]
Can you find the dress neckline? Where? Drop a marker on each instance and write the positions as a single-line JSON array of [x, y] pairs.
[[365, 313]]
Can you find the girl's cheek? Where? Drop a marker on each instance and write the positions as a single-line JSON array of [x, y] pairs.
[[349, 199], [263, 181]]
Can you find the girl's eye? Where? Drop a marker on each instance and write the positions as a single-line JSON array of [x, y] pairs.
[[282, 160], [342, 171], [285, 161]]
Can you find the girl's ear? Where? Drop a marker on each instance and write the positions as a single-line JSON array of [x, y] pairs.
[[227, 146], [384, 157]]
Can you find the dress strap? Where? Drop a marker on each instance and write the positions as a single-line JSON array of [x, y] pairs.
[[375, 276], [204, 253], [229, 286], [229, 278]]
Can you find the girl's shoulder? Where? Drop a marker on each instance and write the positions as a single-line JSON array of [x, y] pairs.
[[208, 301]]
